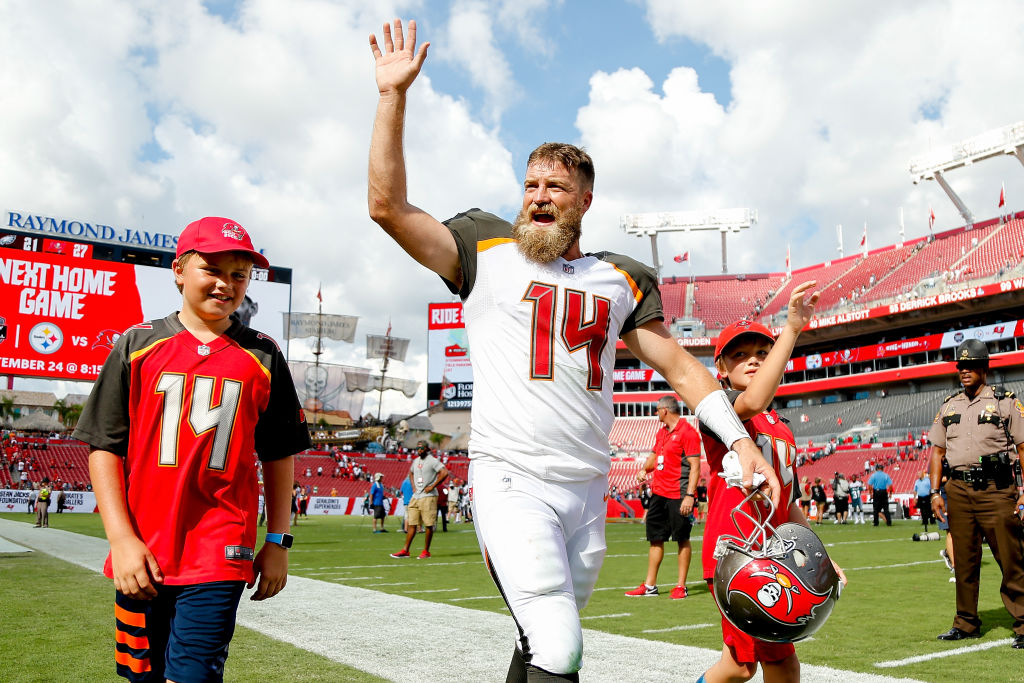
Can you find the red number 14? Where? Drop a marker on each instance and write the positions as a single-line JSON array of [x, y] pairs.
[[575, 332]]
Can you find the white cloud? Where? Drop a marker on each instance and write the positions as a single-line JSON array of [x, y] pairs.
[[826, 113], [470, 43], [266, 120], [526, 19]]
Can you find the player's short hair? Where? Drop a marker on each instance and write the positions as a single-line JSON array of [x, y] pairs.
[[670, 404], [572, 157]]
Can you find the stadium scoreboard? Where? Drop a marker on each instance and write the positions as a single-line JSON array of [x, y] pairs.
[[68, 289]]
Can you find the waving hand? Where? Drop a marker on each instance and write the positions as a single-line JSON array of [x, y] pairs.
[[400, 62]]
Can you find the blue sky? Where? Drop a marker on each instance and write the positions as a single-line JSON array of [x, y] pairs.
[[149, 114], [617, 36]]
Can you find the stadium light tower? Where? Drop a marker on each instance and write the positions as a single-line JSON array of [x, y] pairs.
[[993, 143], [722, 220]]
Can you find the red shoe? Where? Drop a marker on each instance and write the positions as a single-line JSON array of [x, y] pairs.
[[422, 556], [679, 592], [643, 591], [401, 553]]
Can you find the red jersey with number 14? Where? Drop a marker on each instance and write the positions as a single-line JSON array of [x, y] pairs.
[[775, 439], [187, 417]]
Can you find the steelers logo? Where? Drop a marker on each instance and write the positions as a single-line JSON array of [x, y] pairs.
[[45, 338]]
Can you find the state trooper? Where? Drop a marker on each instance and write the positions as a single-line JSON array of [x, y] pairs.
[[980, 432]]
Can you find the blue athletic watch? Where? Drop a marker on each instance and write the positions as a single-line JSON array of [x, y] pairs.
[[283, 540]]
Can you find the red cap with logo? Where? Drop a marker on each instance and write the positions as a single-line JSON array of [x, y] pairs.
[[214, 235], [740, 327]]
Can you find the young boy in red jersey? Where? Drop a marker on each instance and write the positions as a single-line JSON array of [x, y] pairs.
[[173, 421], [751, 363]]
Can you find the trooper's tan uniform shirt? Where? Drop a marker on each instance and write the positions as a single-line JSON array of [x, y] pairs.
[[978, 431]]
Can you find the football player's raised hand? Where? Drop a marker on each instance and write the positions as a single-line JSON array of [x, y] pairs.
[[400, 62]]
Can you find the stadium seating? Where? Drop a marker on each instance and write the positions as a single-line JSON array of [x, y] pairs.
[[898, 412], [903, 470], [877, 265], [634, 433], [927, 260], [1002, 250], [824, 274], [673, 299], [722, 299]]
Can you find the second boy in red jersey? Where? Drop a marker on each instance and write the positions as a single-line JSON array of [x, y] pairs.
[[751, 363]]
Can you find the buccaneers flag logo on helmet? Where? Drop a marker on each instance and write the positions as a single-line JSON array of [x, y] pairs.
[[774, 583], [778, 592]]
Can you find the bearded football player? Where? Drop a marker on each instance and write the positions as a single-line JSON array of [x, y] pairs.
[[542, 318]]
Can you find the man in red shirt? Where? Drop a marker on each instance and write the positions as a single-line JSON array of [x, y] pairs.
[[674, 465]]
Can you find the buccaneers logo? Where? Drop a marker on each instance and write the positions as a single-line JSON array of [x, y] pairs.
[[233, 231], [776, 591], [106, 339]]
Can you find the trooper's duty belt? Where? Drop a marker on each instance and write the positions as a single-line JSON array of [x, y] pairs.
[[995, 467]]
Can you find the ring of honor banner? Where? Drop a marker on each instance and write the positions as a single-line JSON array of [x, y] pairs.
[[61, 310], [378, 346], [449, 373], [336, 327]]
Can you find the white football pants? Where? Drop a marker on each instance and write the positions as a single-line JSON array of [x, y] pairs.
[[543, 543]]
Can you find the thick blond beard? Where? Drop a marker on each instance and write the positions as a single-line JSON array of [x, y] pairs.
[[545, 244]]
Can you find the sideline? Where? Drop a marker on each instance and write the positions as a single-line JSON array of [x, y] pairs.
[[333, 620], [945, 653]]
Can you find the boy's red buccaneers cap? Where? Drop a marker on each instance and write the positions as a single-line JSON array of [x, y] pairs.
[[738, 328], [214, 235]]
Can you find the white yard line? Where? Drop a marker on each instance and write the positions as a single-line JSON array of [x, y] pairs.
[[685, 627], [892, 566], [606, 616], [377, 585], [967, 649], [477, 597], [481, 642]]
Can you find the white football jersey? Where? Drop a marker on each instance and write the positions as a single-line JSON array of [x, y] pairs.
[[542, 345]]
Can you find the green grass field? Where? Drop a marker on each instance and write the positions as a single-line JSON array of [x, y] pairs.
[[57, 617]]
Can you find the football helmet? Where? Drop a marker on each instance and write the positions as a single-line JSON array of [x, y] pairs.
[[774, 583]]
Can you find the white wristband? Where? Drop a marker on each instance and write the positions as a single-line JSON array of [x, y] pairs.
[[716, 413]]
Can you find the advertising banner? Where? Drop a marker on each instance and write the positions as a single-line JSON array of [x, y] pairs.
[[74, 501], [449, 372], [61, 309], [932, 342]]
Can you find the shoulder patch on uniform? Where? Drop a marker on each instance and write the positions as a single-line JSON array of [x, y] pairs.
[[952, 396], [1000, 391]]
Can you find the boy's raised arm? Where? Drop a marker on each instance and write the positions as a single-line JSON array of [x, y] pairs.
[[759, 394], [421, 235], [653, 344]]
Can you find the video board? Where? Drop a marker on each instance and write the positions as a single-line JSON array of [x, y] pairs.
[[62, 307]]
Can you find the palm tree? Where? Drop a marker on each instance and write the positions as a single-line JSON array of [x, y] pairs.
[[61, 408], [74, 412], [6, 408]]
